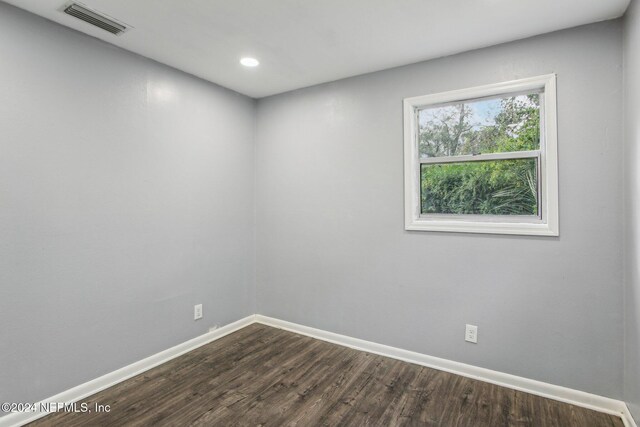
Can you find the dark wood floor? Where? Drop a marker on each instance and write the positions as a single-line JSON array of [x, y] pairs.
[[261, 376]]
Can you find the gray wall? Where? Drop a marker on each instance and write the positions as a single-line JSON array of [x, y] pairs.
[[332, 252], [126, 197], [632, 208]]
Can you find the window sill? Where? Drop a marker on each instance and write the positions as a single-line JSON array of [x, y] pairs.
[[460, 226]]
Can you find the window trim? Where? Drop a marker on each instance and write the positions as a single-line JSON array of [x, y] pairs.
[[547, 224]]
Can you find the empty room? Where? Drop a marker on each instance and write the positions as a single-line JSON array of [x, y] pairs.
[[330, 213]]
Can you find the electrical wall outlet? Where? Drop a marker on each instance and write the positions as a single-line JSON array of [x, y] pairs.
[[197, 312], [471, 334]]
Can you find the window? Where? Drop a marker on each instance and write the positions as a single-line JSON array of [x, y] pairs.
[[483, 160]]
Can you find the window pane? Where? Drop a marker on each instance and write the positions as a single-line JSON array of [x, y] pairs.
[[479, 127], [496, 187]]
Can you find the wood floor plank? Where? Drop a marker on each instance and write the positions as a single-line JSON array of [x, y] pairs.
[[270, 377]]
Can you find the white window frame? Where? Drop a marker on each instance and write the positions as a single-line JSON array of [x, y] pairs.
[[546, 224]]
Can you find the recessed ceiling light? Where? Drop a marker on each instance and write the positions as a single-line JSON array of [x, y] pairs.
[[249, 62]]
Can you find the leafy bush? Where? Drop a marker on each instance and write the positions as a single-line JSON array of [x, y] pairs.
[[506, 187]]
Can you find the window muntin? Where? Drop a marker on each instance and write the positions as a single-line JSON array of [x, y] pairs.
[[483, 159]]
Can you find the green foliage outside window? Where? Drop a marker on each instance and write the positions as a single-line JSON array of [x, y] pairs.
[[493, 187]]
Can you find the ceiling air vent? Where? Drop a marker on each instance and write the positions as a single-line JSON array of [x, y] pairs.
[[95, 18]]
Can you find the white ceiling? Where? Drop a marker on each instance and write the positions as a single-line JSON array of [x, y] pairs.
[[301, 42]]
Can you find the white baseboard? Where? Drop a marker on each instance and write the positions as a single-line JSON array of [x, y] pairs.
[[627, 418], [94, 386], [562, 394]]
